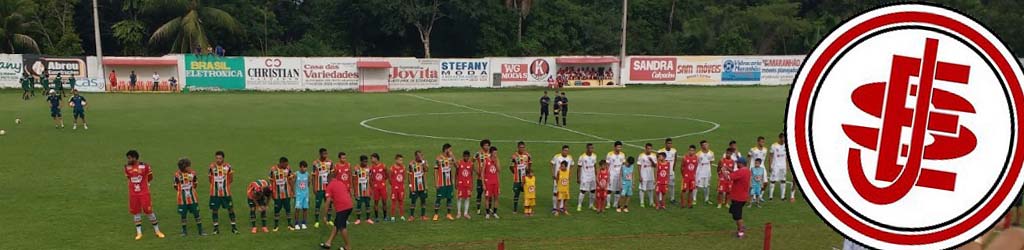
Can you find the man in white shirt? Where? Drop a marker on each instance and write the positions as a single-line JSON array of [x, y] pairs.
[[780, 165], [671, 156], [156, 81], [587, 177], [647, 161], [555, 161], [704, 160], [616, 159]]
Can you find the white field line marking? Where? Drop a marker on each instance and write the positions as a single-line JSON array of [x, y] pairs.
[[366, 124], [523, 120]]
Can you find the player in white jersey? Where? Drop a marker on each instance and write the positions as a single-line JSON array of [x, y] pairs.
[[616, 159], [647, 161], [759, 152], [671, 154], [704, 160], [587, 177], [555, 162], [780, 165]]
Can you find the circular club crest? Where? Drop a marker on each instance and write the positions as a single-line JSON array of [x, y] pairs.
[[903, 126]]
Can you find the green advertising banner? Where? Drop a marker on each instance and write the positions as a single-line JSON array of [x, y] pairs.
[[214, 73]]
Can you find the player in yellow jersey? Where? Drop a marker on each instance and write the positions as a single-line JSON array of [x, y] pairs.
[[530, 186], [563, 187]]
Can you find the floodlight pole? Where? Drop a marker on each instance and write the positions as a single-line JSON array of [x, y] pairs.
[[99, 44], [622, 41]]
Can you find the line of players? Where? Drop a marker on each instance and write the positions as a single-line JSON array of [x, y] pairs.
[[454, 178]]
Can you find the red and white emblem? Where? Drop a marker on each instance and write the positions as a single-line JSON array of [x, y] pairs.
[[904, 128]]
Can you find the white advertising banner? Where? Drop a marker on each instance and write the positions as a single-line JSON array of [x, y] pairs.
[[94, 81], [464, 73], [411, 73], [524, 71], [700, 70], [330, 73], [780, 70], [11, 68], [273, 73]]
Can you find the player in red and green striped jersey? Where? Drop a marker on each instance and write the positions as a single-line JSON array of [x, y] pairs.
[[185, 183], [282, 179], [362, 189], [482, 155], [322, 167], [521, 162], [445, 178], [257, 194], [418, 185], [221, 175]]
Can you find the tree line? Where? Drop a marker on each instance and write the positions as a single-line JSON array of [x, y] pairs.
[[447, 28]]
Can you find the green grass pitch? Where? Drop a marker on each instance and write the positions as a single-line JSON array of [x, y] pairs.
[[64, 189]]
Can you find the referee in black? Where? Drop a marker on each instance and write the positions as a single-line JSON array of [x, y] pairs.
[[544, 102], [564, 107]]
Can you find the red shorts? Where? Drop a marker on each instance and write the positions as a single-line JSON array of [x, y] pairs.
[[661, 188], [465, 192], [397, 194], [491, 190], [689, 184], [140, 204], [379, 194], [724, 186]]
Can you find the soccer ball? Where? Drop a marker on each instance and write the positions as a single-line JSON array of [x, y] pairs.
[[3, 132], [17, 120]]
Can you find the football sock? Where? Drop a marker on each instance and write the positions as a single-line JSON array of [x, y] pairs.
[[263, 217], [252, 218], [199, 224], [515, 202], [152, 220], [782, 188], [771, 190], [650, 196], [448, 205], [579, 202], [641, 197], [216, 221], [138, 223], [672, 191], [231, 216]]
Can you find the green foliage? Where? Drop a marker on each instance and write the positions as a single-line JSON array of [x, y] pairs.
[[458, 28], [17, 25]]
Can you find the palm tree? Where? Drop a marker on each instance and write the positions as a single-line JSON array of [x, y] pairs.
[[189, 29], [15, 24]]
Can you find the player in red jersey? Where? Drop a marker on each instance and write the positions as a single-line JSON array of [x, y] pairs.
[[465, 183], [725, 166], [343, 171], [603, 182], [139, 175], [398, 188], [322, 167], [379, 182], [491, 185], [661, 180], [185, 183], [689, 174]]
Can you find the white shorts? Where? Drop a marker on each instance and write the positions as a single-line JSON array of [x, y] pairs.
[[615, 185], [647, 185], [588, 186], [778, 174], [702, 182]]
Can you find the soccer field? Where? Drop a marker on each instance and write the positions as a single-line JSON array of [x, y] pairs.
[[65, 189]]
